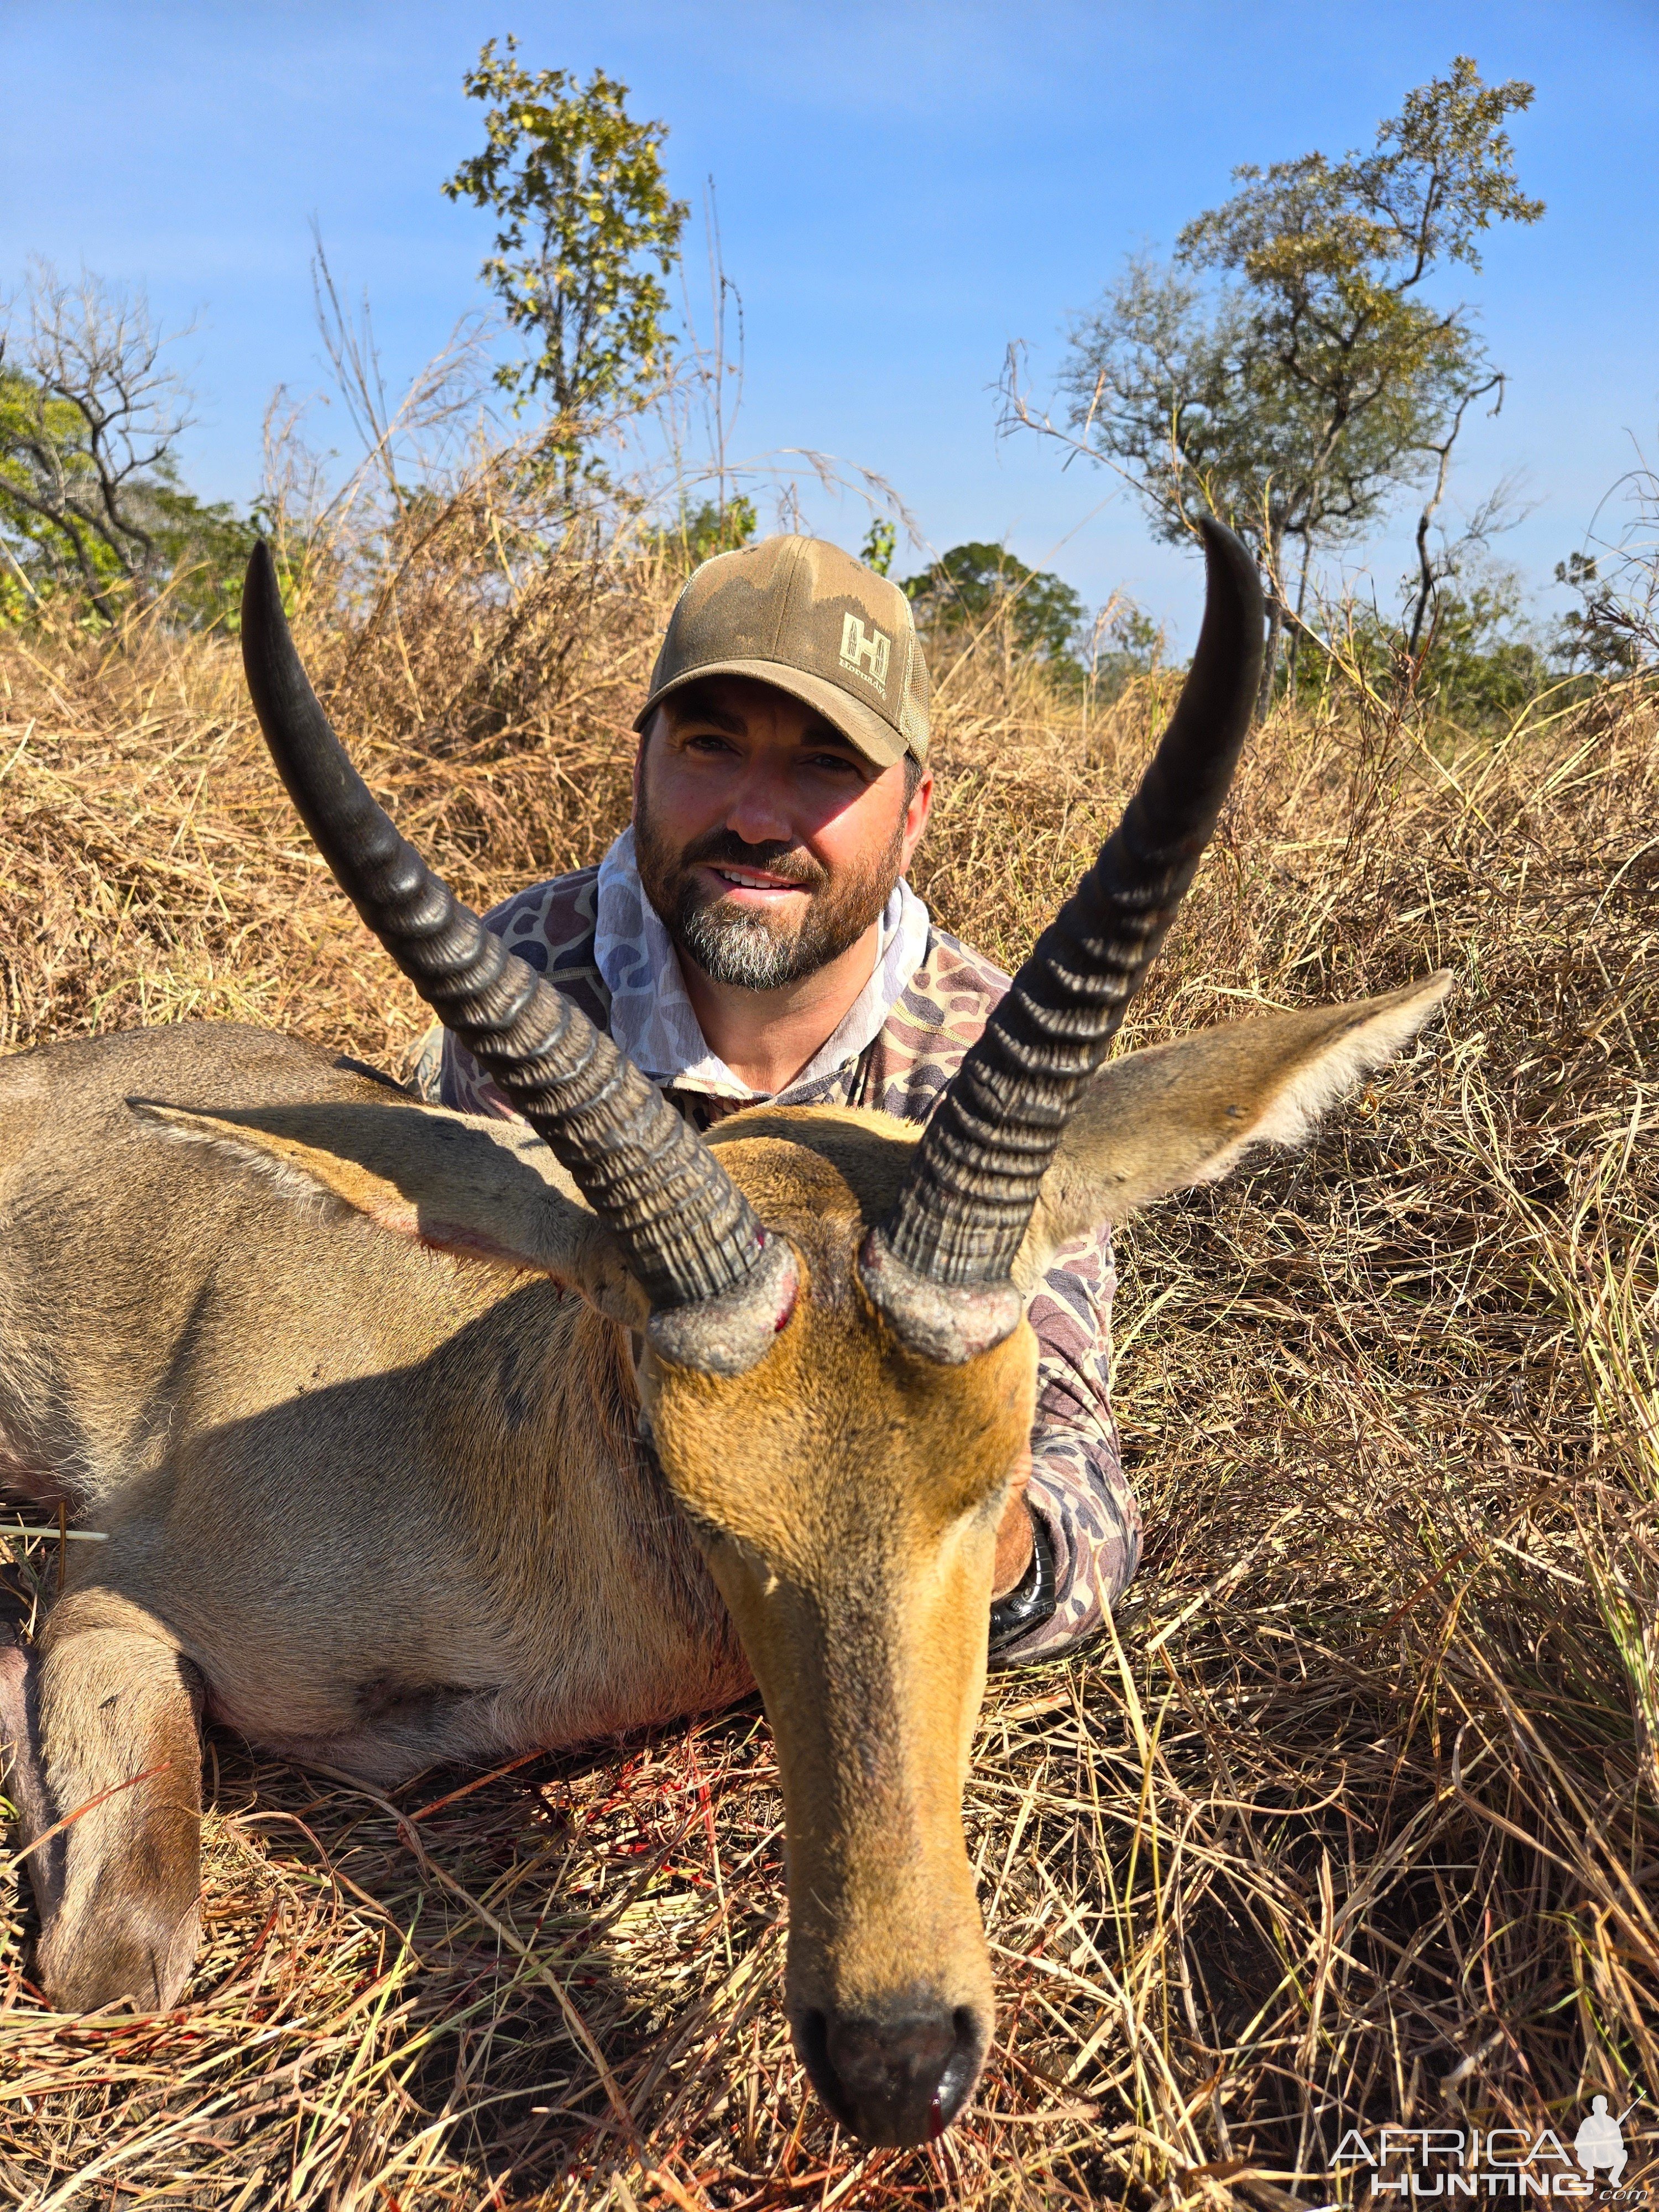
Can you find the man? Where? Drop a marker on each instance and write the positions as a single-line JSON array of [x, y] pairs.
[[751, 938]]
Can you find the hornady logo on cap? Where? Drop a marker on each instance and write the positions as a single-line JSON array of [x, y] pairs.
[[865, 652]]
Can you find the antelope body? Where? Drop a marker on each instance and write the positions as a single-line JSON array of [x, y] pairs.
[[420, 1437]]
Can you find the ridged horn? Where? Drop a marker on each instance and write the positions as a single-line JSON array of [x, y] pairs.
[[949, 1245], [691, 1238]]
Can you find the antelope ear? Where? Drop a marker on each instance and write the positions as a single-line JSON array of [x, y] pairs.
[[1181, 1113], [479, 1188]]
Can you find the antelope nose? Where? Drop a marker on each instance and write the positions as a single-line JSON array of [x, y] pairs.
[[897, 2077]]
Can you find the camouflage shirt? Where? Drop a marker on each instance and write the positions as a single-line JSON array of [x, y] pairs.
[[595, 937]]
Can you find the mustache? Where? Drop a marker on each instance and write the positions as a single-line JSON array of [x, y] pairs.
[[723, 848]]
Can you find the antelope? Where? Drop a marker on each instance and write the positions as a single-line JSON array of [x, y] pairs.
[[423, 1439]]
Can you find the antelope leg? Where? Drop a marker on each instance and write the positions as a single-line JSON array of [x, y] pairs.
[[22, 1772], [117, 1710]]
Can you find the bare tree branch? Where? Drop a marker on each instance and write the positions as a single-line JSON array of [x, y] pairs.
[[93, 416], [1429, 572]]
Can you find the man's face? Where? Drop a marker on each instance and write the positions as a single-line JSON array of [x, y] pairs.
[[765, 840]]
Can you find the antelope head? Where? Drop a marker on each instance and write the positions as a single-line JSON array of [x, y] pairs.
[[835, 1369]]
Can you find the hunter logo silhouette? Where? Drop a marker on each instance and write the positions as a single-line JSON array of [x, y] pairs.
[[1600, 2142]]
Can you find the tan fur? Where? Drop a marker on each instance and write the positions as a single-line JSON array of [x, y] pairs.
[[342, 1378], [489, 1190], [861, 1600], [1185, 1113], [119, 1713]]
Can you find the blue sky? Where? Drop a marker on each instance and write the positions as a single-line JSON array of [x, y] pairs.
[[904, 189]]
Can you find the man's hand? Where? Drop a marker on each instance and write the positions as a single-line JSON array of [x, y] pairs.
[[1015, 1536]]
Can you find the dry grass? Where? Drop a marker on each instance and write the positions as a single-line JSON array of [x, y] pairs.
[[1356, 1820]]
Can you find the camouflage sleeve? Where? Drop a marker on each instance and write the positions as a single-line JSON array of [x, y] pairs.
[[551, 926], [444, 1073], [464, 1086], [426, 1076], [1078, 1489]]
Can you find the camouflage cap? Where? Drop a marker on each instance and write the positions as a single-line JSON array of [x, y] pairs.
[[800, 613]]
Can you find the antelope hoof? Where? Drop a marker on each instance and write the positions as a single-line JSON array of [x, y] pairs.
[[898, 2077], [143, 1962]]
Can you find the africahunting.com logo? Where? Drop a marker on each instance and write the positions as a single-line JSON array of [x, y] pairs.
[[1453, 2162]]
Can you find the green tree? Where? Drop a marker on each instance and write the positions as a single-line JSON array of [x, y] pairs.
[[586, 229], [201, 549], [1299, 393], [1479, 656], [1125, 642], [880, 543], [1614, 630], [42, 468], [90, 498], [699, 532], [89, 413], [970, 586]]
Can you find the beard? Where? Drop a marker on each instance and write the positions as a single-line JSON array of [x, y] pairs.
[[749, 950]]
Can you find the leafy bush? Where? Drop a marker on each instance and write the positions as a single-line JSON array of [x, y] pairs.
[[974, 587]]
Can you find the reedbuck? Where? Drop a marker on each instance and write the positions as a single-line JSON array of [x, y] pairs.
[[419, 1437]]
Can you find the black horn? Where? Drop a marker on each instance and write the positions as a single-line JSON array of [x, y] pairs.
[[691, 1238], [953, 1233]]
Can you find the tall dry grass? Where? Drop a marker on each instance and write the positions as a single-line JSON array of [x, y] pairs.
[[1353, 1819]]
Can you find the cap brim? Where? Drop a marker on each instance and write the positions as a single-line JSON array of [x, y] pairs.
[[876, 739]]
